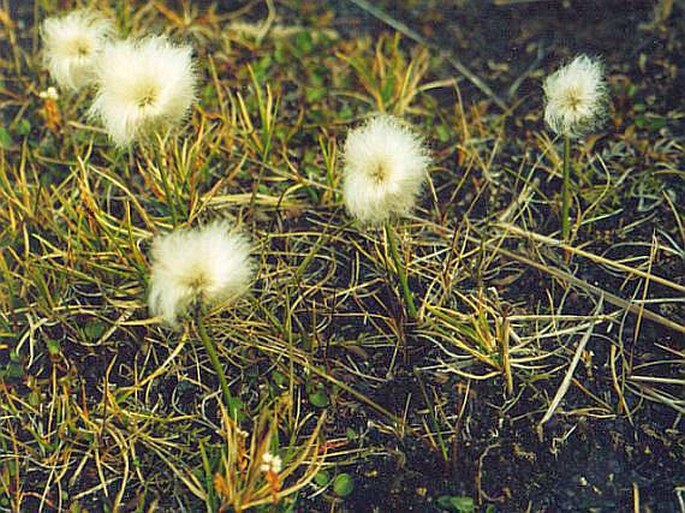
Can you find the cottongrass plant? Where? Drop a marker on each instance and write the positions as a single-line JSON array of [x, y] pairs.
[[144, 86], [251, 474], [203, 266], [72, 45], [575, 104], [385, 168]]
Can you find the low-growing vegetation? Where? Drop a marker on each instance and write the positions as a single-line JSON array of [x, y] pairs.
[[311, 256]]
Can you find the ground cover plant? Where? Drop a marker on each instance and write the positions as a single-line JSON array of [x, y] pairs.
[[200, 312]]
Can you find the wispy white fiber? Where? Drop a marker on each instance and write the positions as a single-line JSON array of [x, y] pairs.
[[211, 263], [576, 97], [72, 45], [385, 166], [144, 86]]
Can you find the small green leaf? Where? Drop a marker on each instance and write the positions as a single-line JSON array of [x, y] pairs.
[[279, 379], [314, 94], [319, 399], [5, 138], [457, 504], [322, 478], [12, 370], [343, 484], [345, 114], [23, 126], [443, 133], [303, 43], [651, 122], [34, 398], [53, 347], [631, 90], [94, 329]]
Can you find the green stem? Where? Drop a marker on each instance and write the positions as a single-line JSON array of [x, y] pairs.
[[171, 202], [129, 161], [401, 273], [214, 359], [566, 191]]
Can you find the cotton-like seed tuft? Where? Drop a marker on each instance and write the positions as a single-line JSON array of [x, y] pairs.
[[576, 97], [210, 263], [72, 45], [144, 86], [385, 168]]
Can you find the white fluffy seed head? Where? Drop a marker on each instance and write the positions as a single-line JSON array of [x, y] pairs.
[[385, 167], [144, 86], [576, 97], [210, 263], [72, 45]]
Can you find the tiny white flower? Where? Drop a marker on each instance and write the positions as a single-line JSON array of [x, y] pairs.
[[576, 97], [211, 263], [49, 94], [72, 44], [385, 167], [144, 86], [271, 463]]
